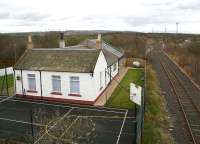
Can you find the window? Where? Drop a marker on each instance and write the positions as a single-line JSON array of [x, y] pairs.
[[18, 78], [74, 85], [56, 83], [101, 86], [31, 82], [114, 67]]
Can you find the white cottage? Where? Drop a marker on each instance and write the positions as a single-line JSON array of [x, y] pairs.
[[76, 74]]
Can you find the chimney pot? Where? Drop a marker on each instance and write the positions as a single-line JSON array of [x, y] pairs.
[[98, 42], [29, 43], [62, 41], [99, 37], [62, 36]]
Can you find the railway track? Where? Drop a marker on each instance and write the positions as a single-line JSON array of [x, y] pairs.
[[182, 91]]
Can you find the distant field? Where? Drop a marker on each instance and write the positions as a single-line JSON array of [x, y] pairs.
[[120, 97]]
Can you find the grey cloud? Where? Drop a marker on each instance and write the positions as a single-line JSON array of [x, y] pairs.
[[25, 24], [4, 15], [97, 18], [28, 19], [30, 16], [159, 4], [178, 5], [89, 18], [142, 21], [190, 6], [65, 18]]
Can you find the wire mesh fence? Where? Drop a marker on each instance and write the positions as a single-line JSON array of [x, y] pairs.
[[140, 121], [6, 82], [32, 122]]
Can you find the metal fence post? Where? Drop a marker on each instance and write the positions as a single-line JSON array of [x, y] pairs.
[[31, 119], [6, 81]]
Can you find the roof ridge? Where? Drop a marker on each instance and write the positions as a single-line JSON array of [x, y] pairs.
[[64, 49], [69, 61], [21, 57]]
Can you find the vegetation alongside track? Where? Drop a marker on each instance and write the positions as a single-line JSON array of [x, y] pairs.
[[156, 123]]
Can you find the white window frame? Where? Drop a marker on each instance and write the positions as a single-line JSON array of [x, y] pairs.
[[100, 80], [74, 79], [58, 79], [31, 77]]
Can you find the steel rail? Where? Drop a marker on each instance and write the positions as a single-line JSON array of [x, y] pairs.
[[180, 104], [182, 85]]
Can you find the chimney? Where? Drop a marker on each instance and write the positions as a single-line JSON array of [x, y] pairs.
[[98, 42], [29, 43], [62, 41]]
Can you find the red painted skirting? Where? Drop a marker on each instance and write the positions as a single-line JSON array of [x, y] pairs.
[[32, 91], [75, 95], [51, 99], [56, 93]]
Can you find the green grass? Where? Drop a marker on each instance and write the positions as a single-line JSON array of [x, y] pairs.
[[10, 84], [120, 97]]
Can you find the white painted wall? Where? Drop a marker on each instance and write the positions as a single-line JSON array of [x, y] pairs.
[[18, 83], [101, 66], [86, 85], [21, 88], [89, 85]]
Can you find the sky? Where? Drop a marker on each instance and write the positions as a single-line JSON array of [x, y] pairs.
[[117, 15]]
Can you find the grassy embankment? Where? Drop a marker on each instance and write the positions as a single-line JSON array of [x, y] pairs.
[[10, 85], [120, 96], [156, 123]]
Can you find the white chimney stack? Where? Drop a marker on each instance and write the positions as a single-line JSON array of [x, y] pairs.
[[62, 41], [98, 42], [29, 43], [99, 37]]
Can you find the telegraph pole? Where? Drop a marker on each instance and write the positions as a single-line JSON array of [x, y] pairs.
[[177, 23]]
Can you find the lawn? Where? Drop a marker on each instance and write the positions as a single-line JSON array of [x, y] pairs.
[[120, 96], [3, 85]]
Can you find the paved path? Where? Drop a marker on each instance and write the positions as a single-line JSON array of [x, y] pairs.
[[108, 92]]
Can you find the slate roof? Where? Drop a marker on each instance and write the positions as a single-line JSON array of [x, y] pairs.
[[57, 59], [111, 54], [110, 57], [80, 58]]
